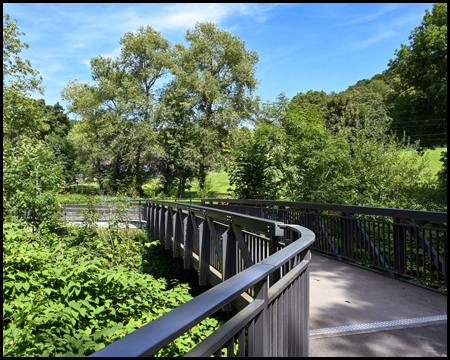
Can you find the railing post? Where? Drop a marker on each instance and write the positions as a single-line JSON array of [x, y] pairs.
[[204, 252], [177, 232], [229, 254], [229, 257], [168, 227], [161, 223], [346, 236], [262, 324], [152, 220], [399, 246], [140, 214], [156, 220], [147, 217], [274, 247], [188, 238], [304, 293]]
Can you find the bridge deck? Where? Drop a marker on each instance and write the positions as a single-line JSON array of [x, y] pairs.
[[345, 295]]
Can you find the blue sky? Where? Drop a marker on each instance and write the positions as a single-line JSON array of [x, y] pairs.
[[301, 47]]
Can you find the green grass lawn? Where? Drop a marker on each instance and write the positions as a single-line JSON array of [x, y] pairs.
[[217, 183], [434, 156]]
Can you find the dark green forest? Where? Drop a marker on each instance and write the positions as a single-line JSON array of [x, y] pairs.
[[172, 114]]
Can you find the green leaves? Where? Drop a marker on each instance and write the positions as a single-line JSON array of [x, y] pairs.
[[76, 303], [31, 178], [420, 80]]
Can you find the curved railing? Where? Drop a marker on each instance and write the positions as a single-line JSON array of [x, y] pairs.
[[408, 244], [260, 266]]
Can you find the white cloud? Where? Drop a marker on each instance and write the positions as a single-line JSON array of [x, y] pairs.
[[183, 16], [372, 16]]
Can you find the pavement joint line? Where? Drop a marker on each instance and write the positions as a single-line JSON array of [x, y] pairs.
[[377, 325]]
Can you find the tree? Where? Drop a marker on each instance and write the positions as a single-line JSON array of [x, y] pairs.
[[177, 154], [420, 84], [56, 137], [289, 154], [362, 106], [31, 175], [31, 179], [218, 74], [120, 108], [312, 100], [57, 120], [20, 116]]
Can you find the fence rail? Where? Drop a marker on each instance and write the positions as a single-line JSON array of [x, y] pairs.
[[260, 266], [408, 244], [257, 254]]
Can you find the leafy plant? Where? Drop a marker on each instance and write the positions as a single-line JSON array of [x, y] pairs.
[[31, 179], [63, 296]]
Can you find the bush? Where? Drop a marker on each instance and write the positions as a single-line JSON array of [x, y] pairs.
[[71, 298], [31, 179]]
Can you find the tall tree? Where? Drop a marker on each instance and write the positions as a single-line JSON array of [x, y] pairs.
[[31, 174], [420, 84], [20, 116], [177, 153], [120, 107], [218, 74], [289, 154]]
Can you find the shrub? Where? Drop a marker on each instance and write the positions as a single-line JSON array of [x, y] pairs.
[[64, 298]]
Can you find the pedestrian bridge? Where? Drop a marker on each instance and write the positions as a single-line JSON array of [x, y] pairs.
[[258, 256]]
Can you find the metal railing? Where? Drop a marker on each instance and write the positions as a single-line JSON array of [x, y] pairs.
[[261, 266], [401, 243]]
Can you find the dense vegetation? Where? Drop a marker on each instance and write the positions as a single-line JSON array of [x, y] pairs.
[[158, 119], [72, 295]]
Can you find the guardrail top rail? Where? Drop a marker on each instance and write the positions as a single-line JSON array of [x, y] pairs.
[[403, 243], [279, 284], [352, 209], [262, 332]]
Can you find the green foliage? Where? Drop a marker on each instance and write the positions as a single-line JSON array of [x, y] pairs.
[[117, 112], [31, 179], [177, 152], [442, 174], [89, 225], [420, 84], [384, 174], [216, 75], [361, 106], [66, 297], [65, 154], [253, 171], [290, 155], [312, 100], [285, 155], [20, 115]]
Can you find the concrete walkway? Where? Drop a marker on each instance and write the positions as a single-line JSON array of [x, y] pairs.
[[356, 312]]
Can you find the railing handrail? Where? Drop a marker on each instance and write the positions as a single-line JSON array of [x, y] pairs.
[[366, 210], [270, 227], [408, 244], [437, 216], [153, 336]]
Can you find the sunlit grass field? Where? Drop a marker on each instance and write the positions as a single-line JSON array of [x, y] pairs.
[[434, 156]]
